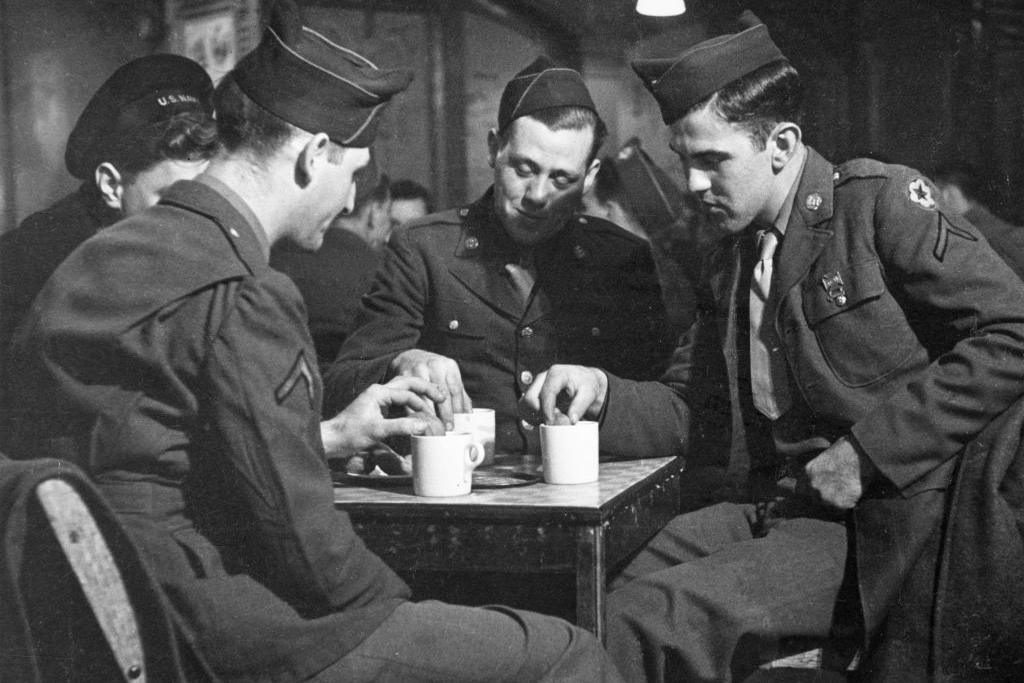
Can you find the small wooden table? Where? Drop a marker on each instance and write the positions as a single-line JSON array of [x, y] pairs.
[[585, 530]]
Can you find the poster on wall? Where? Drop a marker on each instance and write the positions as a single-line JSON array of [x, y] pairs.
[[211, 41]]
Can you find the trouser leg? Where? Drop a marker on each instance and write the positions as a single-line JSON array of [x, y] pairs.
[[434, 641], [728, 590]]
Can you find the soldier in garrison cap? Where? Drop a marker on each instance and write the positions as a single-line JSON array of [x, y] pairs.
[[172, 363], [852, 337], [150, 124], [482, 297]]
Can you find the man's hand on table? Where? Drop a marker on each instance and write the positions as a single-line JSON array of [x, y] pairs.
[[838, 474], [364, 422], [440, 370], [564, 394]]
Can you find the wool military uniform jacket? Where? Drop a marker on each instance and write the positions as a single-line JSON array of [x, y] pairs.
[[172, 363], [444, 288], [900, 326]]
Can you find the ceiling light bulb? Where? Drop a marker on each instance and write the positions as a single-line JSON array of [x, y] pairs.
[[660, 8]]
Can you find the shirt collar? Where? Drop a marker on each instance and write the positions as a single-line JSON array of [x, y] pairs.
[[786, 210], [236, 201]]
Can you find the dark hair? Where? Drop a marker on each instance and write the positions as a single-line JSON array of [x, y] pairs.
[[189, 136], [410, 189], [760, 100], [569, 118], [608, 182], [246, 126]]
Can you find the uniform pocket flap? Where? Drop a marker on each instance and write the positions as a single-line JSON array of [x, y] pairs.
[[834, 290]]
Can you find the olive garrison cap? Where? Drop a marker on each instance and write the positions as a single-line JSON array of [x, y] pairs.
[[315, 84], [648, 192], [680, 82], [542, 85], [145, 91]]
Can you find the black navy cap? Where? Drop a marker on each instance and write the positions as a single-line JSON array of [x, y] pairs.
[[649, 193], [313, 83], [142, 92], [542, 85], [680, 82]]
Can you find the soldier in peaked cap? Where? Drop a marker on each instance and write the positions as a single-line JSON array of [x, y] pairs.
[[150, 124], [171, 362], [481, 298], [852, 337]]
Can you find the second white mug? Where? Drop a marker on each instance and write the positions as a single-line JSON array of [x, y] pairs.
[[443, 465]]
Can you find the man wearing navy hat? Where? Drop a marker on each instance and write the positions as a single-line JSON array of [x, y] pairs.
[[852, 337], [150, 124], [172, 363], [480, 298]]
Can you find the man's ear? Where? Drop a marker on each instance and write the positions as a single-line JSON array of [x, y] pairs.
[[782, 143], [493, 146], [313, 155], [110, 184], [588, 179]]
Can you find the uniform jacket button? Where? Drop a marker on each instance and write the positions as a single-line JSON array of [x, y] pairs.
[[453, 325], [526, 377], [526, 332], [595, 331], [579, 252], [463, 212], [472, 243]]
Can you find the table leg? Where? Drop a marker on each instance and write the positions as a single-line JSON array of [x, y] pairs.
[[590, 579]]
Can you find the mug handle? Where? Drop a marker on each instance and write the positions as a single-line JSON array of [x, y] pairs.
[[475, 452]]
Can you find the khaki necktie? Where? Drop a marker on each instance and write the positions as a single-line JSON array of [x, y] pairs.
[[768, 378], [523, 276]]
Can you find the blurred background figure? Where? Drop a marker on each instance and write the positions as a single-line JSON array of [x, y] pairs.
[[333, 279], [963, 193], [150, 124], [409, 201], [635, 194]]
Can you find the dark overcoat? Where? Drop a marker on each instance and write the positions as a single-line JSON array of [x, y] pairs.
[[900, 325], [444, 288], [167, 359]]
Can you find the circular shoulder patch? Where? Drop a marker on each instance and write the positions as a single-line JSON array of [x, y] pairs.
[[921, 194]]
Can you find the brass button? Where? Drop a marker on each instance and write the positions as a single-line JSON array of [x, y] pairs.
[[583, 220], [472, 243], [453, 325], [595, 331], [841, 300], [463, 212], [526, 377], [526, 332]]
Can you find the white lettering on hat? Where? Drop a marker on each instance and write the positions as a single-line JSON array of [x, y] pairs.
[[181, 98]]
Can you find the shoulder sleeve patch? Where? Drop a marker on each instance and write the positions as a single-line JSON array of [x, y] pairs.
[[921, 194]]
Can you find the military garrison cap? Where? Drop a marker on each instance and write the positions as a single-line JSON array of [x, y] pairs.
[[145, 91], [680, 82], [648, 192], [315, 84], [542, 85]]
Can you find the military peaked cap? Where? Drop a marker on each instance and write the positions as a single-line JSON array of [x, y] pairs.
[[313, 83], [145, 91], [542, 85], [680, 82]]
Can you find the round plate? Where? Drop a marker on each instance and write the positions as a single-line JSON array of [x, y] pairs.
[[372, 479], [502, 480]]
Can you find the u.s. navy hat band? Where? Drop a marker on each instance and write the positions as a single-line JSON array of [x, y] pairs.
[[542, 85], [304, 78], [680, 82]]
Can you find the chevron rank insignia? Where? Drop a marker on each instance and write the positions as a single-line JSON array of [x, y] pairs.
[[300, 372]]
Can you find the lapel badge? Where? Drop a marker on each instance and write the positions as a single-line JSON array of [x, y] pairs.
[[921, 194], [472, 243], [814, 201], [835, 290]]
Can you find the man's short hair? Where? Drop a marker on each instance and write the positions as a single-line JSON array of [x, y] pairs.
[[245, 126], [410, 189], [569, 118], [188, 136], [760, 100]]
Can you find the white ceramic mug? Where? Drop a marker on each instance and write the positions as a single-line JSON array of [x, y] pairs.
[[569, 452], [480, 423], [443, 465]]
